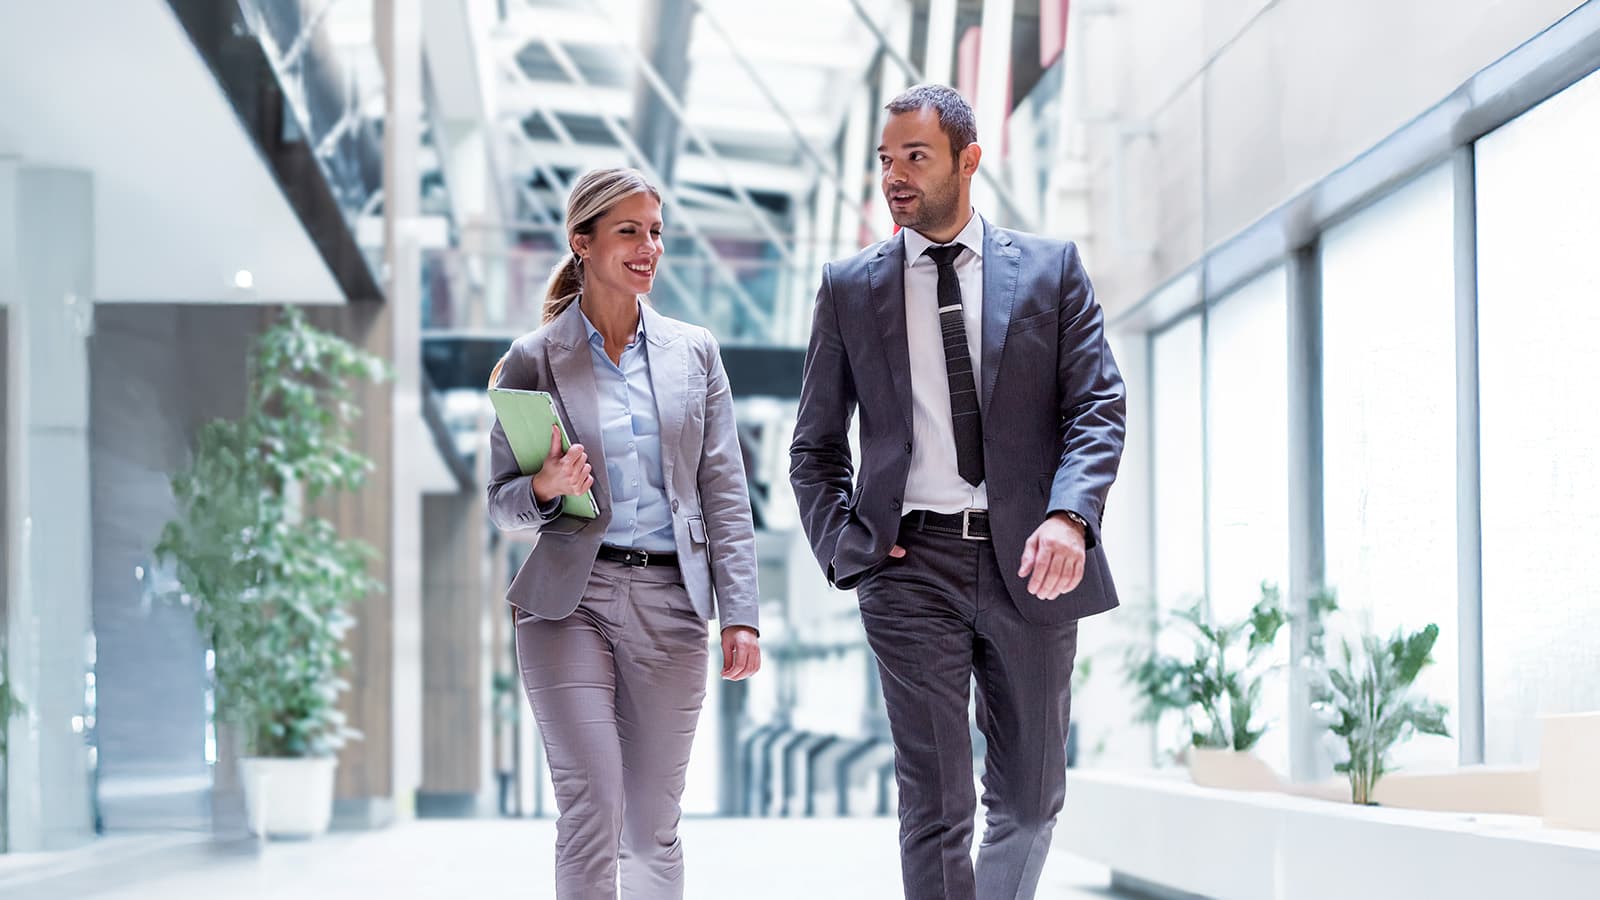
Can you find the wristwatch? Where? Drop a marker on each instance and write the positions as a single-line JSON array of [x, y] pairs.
[[1077, 518]]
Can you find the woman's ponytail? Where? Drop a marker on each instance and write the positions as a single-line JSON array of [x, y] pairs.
[[565, 284]]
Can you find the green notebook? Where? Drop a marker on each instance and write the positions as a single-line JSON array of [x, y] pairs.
[[526, 417]]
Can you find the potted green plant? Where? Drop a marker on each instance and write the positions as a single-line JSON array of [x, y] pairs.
[[1367, 700], [10, 707], [1216, 689], [269, 581]]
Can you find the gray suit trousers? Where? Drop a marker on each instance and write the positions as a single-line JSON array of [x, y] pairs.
[[939, 619], [616, 688]]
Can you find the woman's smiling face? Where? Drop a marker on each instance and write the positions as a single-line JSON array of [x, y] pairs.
[[620, 255]]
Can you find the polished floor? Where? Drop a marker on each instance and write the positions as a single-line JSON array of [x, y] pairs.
[[768, 859]]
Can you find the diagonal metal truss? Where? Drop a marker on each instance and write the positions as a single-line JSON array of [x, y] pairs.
[[719, 267], [1020, 216], [820, 163], [668, 99], [557, 216]]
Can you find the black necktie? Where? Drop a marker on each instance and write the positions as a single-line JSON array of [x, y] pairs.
[[958, 367]]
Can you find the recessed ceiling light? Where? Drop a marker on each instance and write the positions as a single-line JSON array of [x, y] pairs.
[[243, 280]]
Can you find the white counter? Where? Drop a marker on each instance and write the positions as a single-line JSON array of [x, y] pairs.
[[1232, 845]]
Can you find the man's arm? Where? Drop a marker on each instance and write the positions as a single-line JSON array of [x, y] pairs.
[[820, 466], [1093, 416], [1093, 403]]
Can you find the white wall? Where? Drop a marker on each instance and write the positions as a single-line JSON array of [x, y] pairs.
[[1248, 102], [183, 199]]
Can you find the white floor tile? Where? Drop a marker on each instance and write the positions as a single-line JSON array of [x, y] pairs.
[[740, 859]]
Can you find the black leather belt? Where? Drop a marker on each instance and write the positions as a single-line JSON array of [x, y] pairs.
[[969, 524], [637, 557]]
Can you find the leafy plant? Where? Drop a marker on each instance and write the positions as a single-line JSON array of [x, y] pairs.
[[10, 707], [270, 584], [1217, 688], [1321, 605], [1082, 669], [1367, 700], [503, 691]]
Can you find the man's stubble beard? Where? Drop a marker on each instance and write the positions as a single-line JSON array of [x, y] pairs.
[[937, 208]]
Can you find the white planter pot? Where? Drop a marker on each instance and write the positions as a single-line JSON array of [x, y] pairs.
[[288, 796], [1231, 769]]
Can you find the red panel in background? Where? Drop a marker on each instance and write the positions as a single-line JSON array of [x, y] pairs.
[[967, 53], [967, 64], [1052, 30]]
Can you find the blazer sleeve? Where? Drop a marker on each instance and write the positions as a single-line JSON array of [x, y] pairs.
[[512, 506], [725, 499], [1093, 402], [821, 470]]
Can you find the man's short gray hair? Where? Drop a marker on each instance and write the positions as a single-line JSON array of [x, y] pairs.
[[955, 116]]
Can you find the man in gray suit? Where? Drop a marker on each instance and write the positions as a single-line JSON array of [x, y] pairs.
[[992, 419]]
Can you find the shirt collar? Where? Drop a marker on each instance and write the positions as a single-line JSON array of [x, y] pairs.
[[594, 333], [970, 237]]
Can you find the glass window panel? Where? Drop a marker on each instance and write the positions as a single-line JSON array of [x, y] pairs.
[[1389, 426], [1177, 485], [1538, 315], [1247, 430], [1102, 699]]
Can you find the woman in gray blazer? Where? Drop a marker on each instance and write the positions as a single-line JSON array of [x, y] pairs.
[[611, 612]]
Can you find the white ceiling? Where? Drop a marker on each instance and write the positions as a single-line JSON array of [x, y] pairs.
[[183, 199]]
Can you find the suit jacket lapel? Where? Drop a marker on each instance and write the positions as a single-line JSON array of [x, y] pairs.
[[572, 369], [669, 381], [1001, 260], [886, 277]]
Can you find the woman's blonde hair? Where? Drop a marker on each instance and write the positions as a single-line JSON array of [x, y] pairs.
[[592, 197]]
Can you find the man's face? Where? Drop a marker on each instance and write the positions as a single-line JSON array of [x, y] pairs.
[[923, 180]]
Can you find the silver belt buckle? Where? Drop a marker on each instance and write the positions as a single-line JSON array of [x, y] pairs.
[[966, 525], [644, 557]]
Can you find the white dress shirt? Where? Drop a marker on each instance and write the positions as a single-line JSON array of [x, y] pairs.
[[934, 483]]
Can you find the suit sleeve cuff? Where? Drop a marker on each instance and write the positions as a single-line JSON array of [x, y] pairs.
[[547, 510], [1091, 536]]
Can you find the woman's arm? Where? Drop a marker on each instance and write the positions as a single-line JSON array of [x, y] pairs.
[[514, 504], [725, 500]]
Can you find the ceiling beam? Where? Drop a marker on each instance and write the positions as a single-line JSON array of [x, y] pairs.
[[752, 175]]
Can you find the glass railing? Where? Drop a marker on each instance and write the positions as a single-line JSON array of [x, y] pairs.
[[326, 63], [743, 300], [304, 80]]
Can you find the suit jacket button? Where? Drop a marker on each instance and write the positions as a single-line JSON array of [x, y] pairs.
[[895, 503], [674, 506], [908, 446]]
